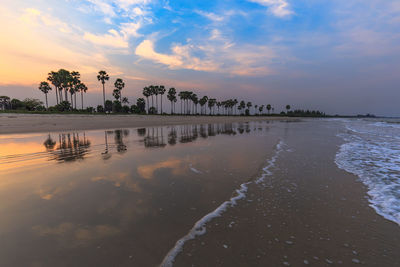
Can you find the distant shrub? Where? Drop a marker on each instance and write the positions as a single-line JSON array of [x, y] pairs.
[[100, 109]]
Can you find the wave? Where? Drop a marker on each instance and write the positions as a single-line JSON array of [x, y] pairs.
[[372, 152], [200, 226]]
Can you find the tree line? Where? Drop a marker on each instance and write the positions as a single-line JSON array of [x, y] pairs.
[[67, 85]]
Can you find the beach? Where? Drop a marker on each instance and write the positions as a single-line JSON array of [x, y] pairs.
[[246, 192], [33, 123]]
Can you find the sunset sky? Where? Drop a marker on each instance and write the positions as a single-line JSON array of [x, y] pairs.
[[336, 56]]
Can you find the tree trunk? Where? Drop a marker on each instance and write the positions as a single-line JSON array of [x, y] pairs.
[[47, 106], [60, 95], [161, 103], [156, 104], [82, 99], [104, 97], [57, 95]]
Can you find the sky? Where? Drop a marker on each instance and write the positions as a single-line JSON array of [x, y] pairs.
[[340, 57]]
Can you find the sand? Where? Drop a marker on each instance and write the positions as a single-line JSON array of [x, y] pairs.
[[308, 212], [37, 123]]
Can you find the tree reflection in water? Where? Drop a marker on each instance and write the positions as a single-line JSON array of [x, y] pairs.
[[49, 143], [172, 136], [155, 138], [70, 147]]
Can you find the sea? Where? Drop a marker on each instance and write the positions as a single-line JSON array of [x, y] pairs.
[[371, 150]]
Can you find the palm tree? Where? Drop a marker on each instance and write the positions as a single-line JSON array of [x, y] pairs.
[[269, 108], [65, 79], [103, 77], [235, 102], [181, 96], [161, 91], [202, 102], [146, 93], [211, 104], [53, 77], [195, 101], [175, 100], [45, 88], [74, 81], [82, 88], [287, 108], [255, 109], [249, 106], [171, 96], [261, 108], [242, 105], [156, 91], [119, 85], [151, 91]]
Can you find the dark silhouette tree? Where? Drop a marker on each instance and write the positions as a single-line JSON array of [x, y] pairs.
[[103, 77], [45, 88], [147, 93], [83, 89], [54, 78], [287, 108], [171, 97], [117, 93], [269, 108], [161, 91]]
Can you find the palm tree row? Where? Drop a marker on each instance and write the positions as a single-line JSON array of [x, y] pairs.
[[64, 82], [69, 82], [151, 91], [189, 102]]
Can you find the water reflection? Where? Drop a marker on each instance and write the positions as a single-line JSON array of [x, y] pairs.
[[121, 189], [154, 138], [70, 147], [67, 147]]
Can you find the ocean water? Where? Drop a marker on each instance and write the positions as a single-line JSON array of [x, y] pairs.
[[372, 152]]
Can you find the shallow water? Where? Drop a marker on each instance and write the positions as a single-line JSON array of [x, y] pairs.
[[119, 197]]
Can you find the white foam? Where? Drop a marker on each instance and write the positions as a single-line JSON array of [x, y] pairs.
[[372, 152], [195, 170], [200, 226]]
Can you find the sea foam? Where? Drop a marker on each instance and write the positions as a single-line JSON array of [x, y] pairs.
[[372, 152], [200, 226]]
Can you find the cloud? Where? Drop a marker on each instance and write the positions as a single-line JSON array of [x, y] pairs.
[[279, 8], [120, 8], [37, 42], [111, 39], [219, 57], [211, 16], [146, 50]]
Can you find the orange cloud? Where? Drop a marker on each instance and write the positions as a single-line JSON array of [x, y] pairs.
[[177, 166]]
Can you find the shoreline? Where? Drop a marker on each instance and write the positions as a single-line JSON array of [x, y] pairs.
[[11, 123], [307, 213]]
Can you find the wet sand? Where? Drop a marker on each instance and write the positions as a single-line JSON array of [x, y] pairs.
[[38, 123], [308, 212], [128, 200]]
